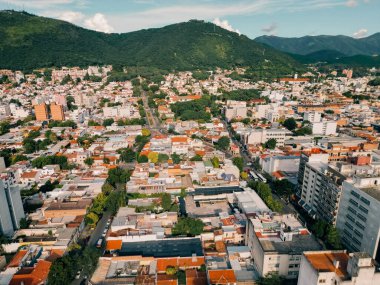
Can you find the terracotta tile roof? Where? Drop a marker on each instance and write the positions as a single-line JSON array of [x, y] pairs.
[[163, 279], [114, 244], [17, 258], [222, 276], [195, 277], [179, 139], [37, 276], [163, 263], [29, 174]]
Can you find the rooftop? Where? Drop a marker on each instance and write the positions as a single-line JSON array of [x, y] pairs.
[[329, 261]]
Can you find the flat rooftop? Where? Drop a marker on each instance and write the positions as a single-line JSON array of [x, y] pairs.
[[163, 248], [374, 192], [324, 262], [297, 245]]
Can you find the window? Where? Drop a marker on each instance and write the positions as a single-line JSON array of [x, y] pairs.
[[349, 217], [351, 210], [353, 193], [361, 217], [365, 201], [322, 281], [347, 233], [356, 241], [353, 202], [349, 226], [358, 233], [364, 210], [360, 226]]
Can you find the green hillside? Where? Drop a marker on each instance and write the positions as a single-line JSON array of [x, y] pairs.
[[310, 44], [28, 41]]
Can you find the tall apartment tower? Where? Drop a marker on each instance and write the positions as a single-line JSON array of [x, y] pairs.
[[57, 113], [41, 112], [11, 209]]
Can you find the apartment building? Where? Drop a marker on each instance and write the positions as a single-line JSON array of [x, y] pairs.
[[260, 136], [359, 212], [57, 113], [11, 209], [235, 109], [41, 112], [310, 155], [277, 244], [325, 128], [337, 268], [312, 117]]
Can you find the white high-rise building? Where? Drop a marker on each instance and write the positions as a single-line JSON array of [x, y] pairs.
[[11, 209], [325, 128]]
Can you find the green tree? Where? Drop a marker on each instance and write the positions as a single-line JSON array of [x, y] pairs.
[[223, 143], [171, 270], [107, 188], [166, 201], [162, 157], [188, 226], [142, 159], [319, 228], [19, 157], [89, 161], [115, 200], [153, 157], [215, 162], [24, 223], [239, 162], [176, 158], [333, 237], [271, 144], [196, 157], [127, 154], [118, 176], [271, 279], [92, 218], [183, 193], [108, 122], [290, 124]]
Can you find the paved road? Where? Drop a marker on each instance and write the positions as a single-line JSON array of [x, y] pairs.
[[95, 236]]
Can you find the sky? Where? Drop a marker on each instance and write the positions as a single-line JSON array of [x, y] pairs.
[[286, 18]]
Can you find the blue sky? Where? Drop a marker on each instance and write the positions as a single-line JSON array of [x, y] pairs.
[[288, 18]]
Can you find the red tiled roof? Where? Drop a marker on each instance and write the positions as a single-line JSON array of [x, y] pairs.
[[37, 275], [114, 244], [222, 276]]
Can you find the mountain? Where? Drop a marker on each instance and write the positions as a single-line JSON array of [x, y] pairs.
[[309, 44], [28, 41]]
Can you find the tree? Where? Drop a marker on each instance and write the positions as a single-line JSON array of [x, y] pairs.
[[108, 122], [19, 157], [24, 223], [215, 162], [183, 193], [196, 157], [319, 228], [290, 124], [153, 157], [271, 144], [162, 157], [166, 201], [333, 237], [188, 226], [142, 159], [107, 188], [271, 279], [171, 270], [89, 161], [145, 132], [239, 162], [176, 158], [127, 154], [223, 143], [244, 175], [118, 176], [116, 200], [92, 218]]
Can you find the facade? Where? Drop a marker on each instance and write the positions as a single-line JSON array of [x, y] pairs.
[[57, 113], [260, 136], [272, 164], [41, 112], [235, 109], [337, 268], [11, 209], [311, 155], [277, 244], [312, 117], [325, 128], [358, 216]]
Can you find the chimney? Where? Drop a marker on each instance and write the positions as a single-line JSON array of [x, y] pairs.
[[336, 263]]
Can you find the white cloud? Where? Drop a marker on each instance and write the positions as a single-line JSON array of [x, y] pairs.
[[225, 25], [98, 23], [360, 34], [71, 16], [270, 29]]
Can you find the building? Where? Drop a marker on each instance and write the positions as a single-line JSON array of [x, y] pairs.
[[312, 117], [277, 244], [359, 212], [11, 209], [235, 109], [41, 112], [57, 113], [311, 155], [288, 163], [337, 268], [325, 128], [260, 136]]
